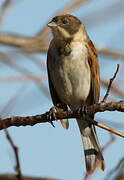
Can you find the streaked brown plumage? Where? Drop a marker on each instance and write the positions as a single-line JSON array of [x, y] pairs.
[[74, 78]]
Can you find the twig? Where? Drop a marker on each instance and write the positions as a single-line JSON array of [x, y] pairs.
[[32, 120], [6, 6], [112, 139], [6, 111], [5, 59], [114, 88], [110, 52], [44, 32], [13, 177], [110, 84], [38, 42], [118, 171], [12, 102], [15, 148], [23, 79], [72, 6], [41, 79], [108, 128]]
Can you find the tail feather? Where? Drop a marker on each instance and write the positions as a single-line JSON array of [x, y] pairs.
[[65, 123], [92, 150]]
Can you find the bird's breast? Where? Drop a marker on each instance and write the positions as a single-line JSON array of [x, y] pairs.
[[71, 77]]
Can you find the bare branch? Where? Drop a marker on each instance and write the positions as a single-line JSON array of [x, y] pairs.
[[6, 6], [44, 32], [5, 111], [32, 120], [114, 88], [15, 148], [112, 139], [13, 177], [110, 52], [5, 59], [72, 6], [108, 128], [12, 102], [37, 43], [41, 79], [23, 79], [110, 84], [117, 172], [29, 44]]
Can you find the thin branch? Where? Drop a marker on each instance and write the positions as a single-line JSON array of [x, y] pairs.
[[114, 88], [38, 62], [110, 84], [108, 128], [41, 79], [112, 139], [29, 44], [39, 42], [23, 78], [118, 171], [44, 32], [38, 80], [15, 148], [110, 52], [13, 177], [72, 6], [5, 111], [5, 59], [6, 6], [32, 120], [117, 125], [12, 101]]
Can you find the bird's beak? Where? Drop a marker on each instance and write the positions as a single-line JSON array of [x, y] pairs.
[[52, 24]]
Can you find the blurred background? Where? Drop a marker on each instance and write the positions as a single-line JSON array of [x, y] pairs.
[[45, 151]]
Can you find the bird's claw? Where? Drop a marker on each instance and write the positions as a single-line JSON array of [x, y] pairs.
[[51, 115], [82, 110]]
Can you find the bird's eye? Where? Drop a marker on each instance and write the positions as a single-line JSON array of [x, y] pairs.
[[65, 21]]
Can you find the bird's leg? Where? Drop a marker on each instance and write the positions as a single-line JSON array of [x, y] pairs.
[[82, 110], [51, 115], [52, 112]]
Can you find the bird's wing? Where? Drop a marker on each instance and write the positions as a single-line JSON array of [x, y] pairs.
[[92, 99], [55, 98], [95, 74]]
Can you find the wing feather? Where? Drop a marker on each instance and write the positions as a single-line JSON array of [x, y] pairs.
[[55, 98], [95, 73]]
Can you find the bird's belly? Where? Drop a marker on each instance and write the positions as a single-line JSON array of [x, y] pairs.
[[72, 81]]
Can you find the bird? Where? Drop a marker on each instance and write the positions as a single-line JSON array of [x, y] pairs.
[[74, 79]]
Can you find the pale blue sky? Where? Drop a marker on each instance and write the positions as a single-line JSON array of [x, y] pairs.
[[44, 150]]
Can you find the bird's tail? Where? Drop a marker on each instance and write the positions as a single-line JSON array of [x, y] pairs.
[[65, 123], [92, 150]]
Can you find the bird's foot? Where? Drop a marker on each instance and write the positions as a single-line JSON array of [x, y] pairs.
[[82, 110], [51, 115]]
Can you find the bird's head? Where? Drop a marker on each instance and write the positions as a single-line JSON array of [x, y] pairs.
[[65, 26]]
